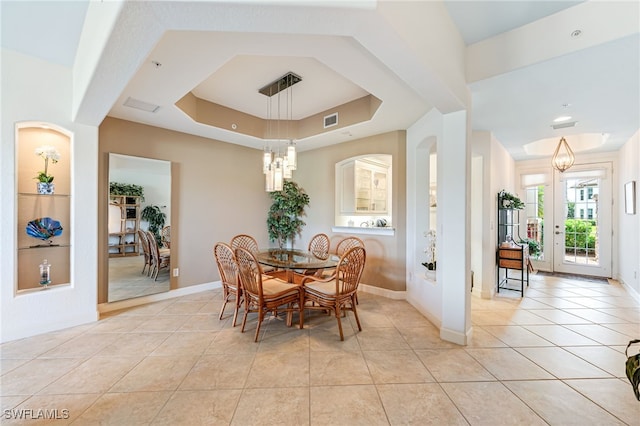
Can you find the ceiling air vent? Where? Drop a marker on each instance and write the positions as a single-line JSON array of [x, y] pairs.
[[564, 125], [144, 106], [331, 120]]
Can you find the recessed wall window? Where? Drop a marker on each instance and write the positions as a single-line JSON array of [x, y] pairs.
[[363, 191]]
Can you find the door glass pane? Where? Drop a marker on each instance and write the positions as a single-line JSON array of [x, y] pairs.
[[534, 208], [581, 230]]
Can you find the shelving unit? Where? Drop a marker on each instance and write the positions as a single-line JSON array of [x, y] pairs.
[[365, 189], [510, 254], [123, 240]]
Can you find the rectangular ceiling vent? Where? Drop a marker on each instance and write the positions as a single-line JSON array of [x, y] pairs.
[[564, 125], [138, 104], [331, 120]]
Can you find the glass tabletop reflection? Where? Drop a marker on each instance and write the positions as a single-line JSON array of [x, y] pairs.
[[294, 259]]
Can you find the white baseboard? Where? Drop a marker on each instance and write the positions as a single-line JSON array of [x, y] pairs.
[[632, 292], [114, 306], [455, 336], [378, 291], [433, 320], [33, 329], [123, 304]]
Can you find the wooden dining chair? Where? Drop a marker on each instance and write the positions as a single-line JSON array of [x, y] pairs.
[[229, 276], [165, 235], [144, 243], [268, 295], [247, 242], [338, 292], [160, 258], [319, 246], [346, 243]]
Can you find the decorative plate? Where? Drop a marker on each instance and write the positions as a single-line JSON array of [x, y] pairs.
[[44, 228]]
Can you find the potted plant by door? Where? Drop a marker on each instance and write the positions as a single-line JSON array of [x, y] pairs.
[[283, 220]]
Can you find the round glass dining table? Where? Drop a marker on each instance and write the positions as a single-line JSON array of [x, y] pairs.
[[287, 261]]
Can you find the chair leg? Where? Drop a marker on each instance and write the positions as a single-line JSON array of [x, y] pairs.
[[260, 318], [354, 302], [289, 314], [224, 305], [337, 311], [301, 309], [244, 319], [236, 309]]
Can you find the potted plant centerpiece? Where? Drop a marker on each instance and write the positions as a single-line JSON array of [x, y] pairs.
[[45, 181], [283, 221]]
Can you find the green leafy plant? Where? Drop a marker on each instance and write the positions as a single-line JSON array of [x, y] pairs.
[[47, 153], [117, 188], [534, 246], [156, 219], [510, 201], [283, 221]]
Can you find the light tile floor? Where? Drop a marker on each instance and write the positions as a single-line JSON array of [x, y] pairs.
[[553, 357]]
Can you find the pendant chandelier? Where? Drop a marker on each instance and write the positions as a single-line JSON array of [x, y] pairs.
[[279, 158], [563, 157]]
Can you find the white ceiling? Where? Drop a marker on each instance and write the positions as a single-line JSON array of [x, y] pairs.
[[255, 43]]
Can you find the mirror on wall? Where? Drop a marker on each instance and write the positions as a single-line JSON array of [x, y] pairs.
[[139, 207]]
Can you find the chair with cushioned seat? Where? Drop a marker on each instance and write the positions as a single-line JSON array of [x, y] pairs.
[[337, 292], [160, 258], [265, 295], [148, 262], [229, 276]]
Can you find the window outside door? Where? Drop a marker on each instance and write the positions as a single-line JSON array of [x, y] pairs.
[[582, 220]]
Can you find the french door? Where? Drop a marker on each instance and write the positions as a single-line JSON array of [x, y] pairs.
[[582, 227]]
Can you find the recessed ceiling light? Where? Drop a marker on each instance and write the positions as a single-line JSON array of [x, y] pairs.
[[576, 33], [564, 125], [562, 118]]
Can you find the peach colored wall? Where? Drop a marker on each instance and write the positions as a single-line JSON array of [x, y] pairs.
[[218, 191], [385, 265]]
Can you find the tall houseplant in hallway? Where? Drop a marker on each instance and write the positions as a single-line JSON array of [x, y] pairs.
[[283, 221]]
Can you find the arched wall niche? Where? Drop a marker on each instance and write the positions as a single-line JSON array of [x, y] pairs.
[[425, 195], [43, 155]]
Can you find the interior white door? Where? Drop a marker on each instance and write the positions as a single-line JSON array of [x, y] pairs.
[[582, 220]]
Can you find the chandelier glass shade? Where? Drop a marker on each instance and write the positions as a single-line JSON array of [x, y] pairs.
[[563, 157], [279, 158]]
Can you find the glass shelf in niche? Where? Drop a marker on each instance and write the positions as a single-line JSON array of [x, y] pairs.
[[37, 209], [29, 271], [44, 246], [35, 194]]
